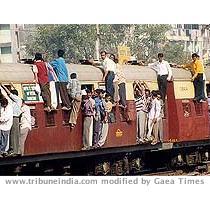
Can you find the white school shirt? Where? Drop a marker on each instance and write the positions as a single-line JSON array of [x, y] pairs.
[[162, 68], [6, 119], [155, 110], [25, 120], [109, 65]]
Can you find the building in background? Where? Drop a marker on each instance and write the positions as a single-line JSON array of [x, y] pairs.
[[195, 37], [9, 43]]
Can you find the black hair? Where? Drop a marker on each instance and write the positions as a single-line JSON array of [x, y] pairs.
[[73, 76], [147, 90], [38, 56], [154, 93], [4, 102], [103, 52], [195, 55], [160, 54], [99, 91], [60, 53], [15, 92], [88, 91], [107, 95]]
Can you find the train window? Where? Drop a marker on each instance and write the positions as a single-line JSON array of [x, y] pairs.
[[34, 117], [207, 88], [66, 115], [49, 119], [87, 86], [186, 109], [198, 109]]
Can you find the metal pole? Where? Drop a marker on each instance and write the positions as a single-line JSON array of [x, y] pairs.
[[97, 42]]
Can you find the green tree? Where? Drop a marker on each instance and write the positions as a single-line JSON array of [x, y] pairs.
[[174, 53], [78, 40]]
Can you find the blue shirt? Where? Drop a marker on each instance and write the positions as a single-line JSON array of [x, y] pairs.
[[60, 68], [100, 107]]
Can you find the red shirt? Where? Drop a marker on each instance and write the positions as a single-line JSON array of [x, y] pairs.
[[42, 73]]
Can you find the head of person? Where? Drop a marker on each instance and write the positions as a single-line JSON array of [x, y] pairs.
[[38, 56], [61, 53], [108, 97], [195, 56], [103, 54], [4, 103], [88, 93], [147, 93], [154, 94], [158, 95], [138, 92], [112, 57], [15, 92], [73, 76], [160, 57], [99, 93]]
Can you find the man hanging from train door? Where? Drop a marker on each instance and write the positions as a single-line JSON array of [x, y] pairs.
[[164, 74], [74, 90], [198, 77], [16, 103]]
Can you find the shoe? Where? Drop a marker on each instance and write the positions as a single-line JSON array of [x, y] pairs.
[[154, 142], [52, 108], [47, 109], [150, 139], [202, 101], [1, 156], [65, 108], [72, 125]]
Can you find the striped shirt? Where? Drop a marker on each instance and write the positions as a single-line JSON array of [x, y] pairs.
[[142, 103]]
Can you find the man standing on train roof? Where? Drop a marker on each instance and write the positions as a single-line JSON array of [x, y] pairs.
[[164, 74], [198, 77], [61, 71], [40, 71], [109, 73]]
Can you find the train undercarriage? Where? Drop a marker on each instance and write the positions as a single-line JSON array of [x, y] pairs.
[[162, 159]]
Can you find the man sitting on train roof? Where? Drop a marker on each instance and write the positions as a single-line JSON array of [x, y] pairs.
[[198, 77], [164, 74]]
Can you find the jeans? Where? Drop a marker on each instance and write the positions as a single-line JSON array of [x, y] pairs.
[[199, 87], [162, 85], [109, 83], [4, 136]]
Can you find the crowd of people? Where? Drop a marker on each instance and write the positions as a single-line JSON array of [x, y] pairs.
[[15, 122], [61, 89]]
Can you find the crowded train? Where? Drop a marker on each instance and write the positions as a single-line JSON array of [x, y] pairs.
[[55, 107]]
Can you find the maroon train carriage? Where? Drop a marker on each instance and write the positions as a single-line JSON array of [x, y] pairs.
[[185, 123]]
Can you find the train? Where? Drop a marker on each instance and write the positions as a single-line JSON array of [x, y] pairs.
[[52, 147]]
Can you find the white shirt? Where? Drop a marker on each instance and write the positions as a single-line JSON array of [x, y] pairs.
[[109, 65], [162, 68], [6, 119], [16, 104], [25, 120], [155, 110]]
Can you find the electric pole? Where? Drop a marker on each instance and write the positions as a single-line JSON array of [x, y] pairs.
[[97, 41]]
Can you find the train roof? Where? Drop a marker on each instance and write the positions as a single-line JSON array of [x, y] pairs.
[[21, 73]]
